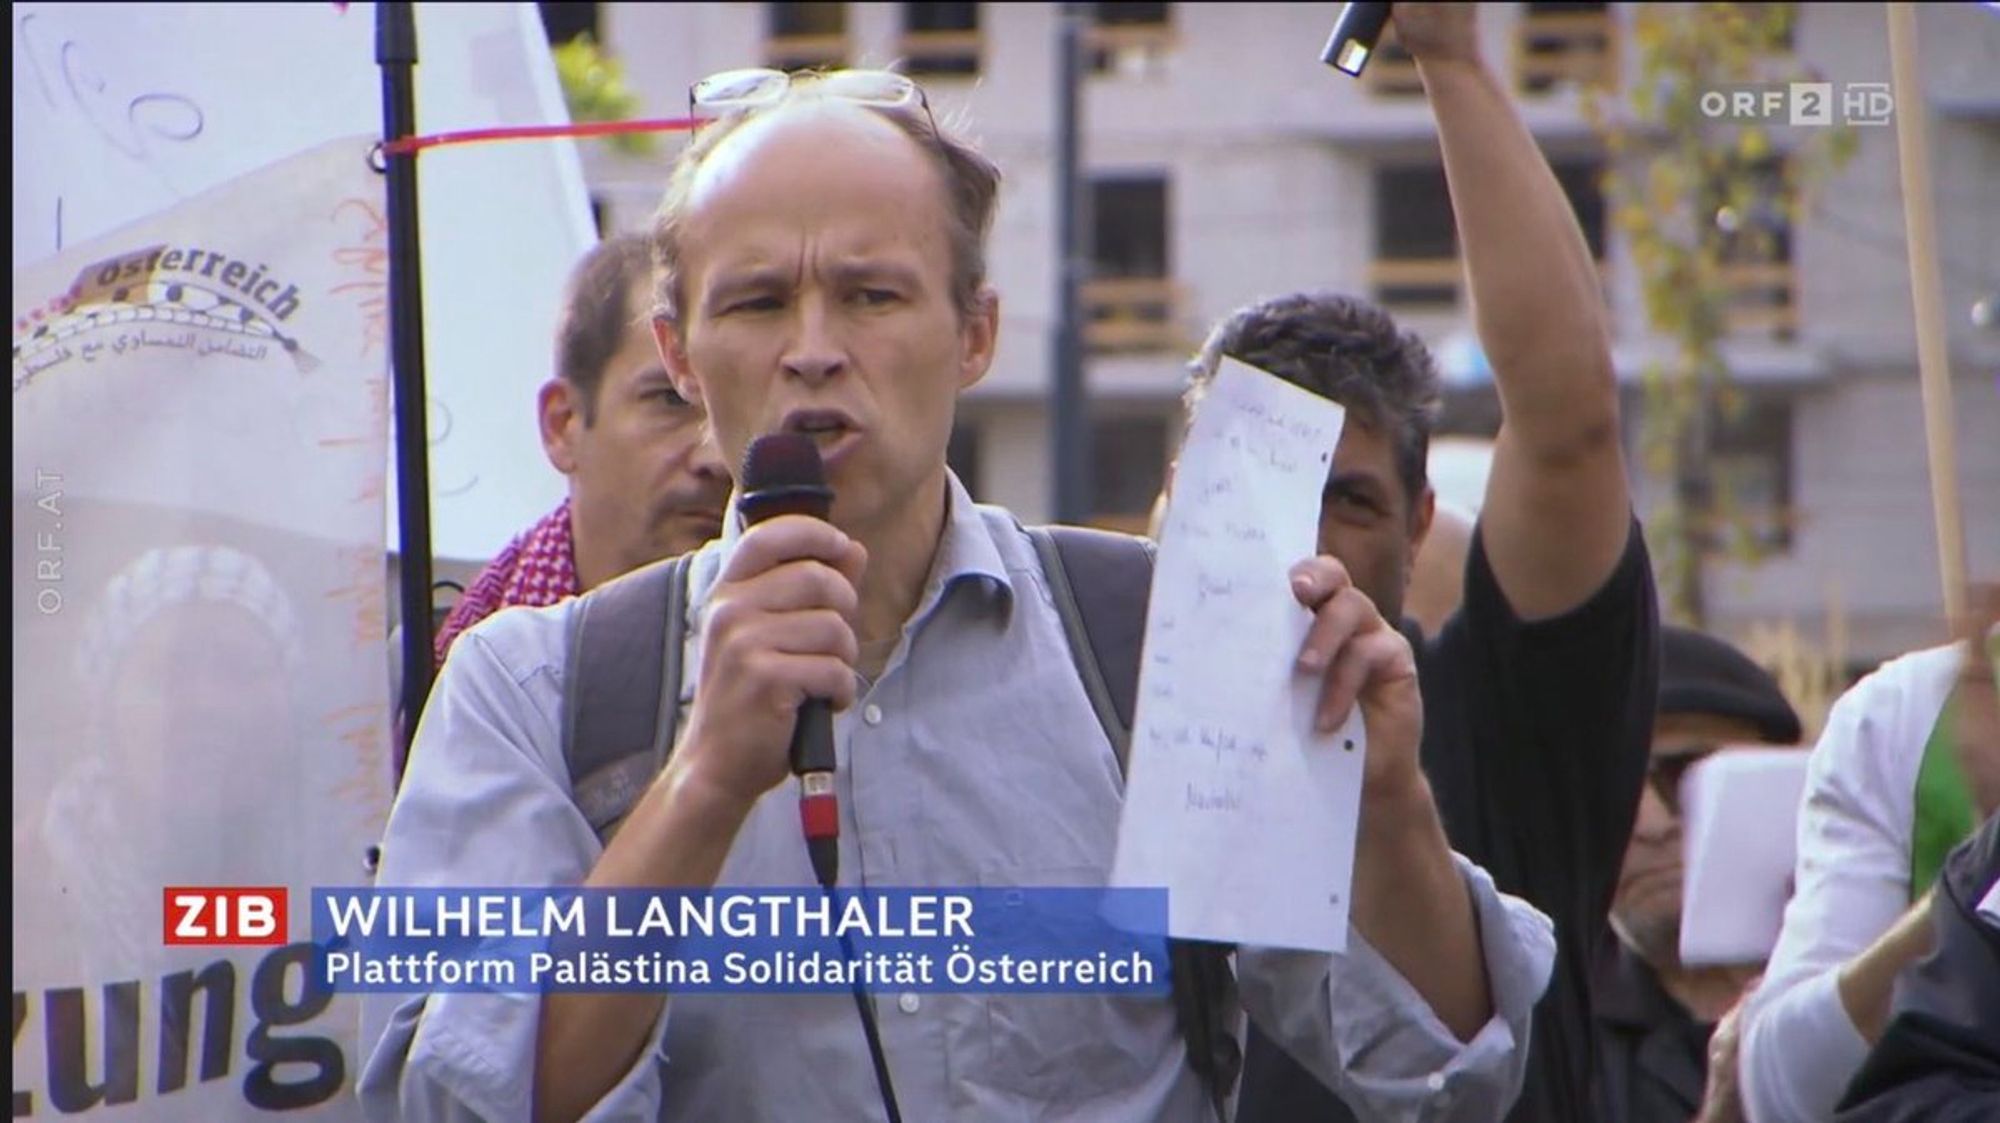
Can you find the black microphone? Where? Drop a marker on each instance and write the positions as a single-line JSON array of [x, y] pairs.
[[783, 475], [1354, 36]]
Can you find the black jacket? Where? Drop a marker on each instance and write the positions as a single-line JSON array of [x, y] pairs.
[[1652, 1055], [1939, 1059]]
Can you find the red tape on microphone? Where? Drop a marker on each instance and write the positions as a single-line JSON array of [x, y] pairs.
[[820, 815]]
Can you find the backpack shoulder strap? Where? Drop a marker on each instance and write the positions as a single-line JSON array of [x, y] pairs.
[[621, 689], [1102, 583]]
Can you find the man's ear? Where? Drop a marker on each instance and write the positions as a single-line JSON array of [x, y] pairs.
[[1422, 513], [980, 338], [560, 407], [673, 355]]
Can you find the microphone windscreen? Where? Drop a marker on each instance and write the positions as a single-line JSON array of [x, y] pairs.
[[783, 475], [782, 460]]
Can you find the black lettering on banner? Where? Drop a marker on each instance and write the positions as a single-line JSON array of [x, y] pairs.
[[177, 991], [71, 1037], [163, 115], [68, 1039], [269, 1002], [24, 1102]]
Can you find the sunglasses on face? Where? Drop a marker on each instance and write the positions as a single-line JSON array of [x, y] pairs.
[[1666, 769], [757, 87]]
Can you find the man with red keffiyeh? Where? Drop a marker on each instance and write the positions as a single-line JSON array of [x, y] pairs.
[[645, 481]]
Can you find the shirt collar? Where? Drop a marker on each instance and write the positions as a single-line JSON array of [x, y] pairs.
[[967, 553]]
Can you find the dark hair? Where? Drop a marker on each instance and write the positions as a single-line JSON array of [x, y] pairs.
[[971, 186], [1343, 349], [597, 311]]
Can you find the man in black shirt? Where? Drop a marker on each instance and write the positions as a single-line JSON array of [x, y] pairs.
[[1539, 692]]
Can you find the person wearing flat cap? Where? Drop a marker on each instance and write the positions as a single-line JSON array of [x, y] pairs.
[[1654, 1015]]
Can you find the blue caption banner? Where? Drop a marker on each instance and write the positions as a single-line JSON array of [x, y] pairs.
[[749, 941]]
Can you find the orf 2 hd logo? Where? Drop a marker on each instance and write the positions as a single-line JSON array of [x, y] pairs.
[[1800, 103], [237, 915]]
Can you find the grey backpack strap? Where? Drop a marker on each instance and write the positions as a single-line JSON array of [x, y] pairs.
[[1116, 571], [621, 689], [1102, 583]]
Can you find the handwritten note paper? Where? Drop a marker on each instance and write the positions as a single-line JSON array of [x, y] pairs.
[[1234, 802]]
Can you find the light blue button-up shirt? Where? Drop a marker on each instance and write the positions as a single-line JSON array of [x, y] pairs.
[[974, 760]]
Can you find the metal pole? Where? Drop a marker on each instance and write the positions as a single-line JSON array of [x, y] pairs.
[[1070, 403], [396, 53]]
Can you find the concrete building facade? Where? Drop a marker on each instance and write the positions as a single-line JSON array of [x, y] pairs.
[[1226, 164]]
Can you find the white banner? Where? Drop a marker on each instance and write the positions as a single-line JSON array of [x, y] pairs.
[[200, 696], [122, 110]]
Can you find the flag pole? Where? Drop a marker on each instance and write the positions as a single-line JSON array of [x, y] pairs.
[[396, 53], [1933, 355]]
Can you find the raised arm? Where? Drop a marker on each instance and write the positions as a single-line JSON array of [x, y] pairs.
[[1557, 514]]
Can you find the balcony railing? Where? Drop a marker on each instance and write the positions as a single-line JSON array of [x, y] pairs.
[[1392, 72], [799, 52], [1128, 314], [1435, 284], [941, 52], [1763, 297], [1128, 48], [1432, 282], [1553, 49]]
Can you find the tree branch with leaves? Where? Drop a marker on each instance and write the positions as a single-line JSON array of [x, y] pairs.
[[1707, 206], [593, 86]]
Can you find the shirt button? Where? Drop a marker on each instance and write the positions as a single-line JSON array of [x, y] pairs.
[[1435, 1083], [872, 714], [909, 1003]]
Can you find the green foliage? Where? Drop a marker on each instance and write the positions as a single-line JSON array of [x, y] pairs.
[[593, 86], [1698, 200]]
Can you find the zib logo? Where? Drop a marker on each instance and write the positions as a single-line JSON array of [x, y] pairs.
[[244, 916]]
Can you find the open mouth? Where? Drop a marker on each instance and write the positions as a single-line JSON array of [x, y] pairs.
[[831, 430]]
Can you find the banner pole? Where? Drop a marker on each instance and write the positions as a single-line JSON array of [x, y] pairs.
[[396, 53]]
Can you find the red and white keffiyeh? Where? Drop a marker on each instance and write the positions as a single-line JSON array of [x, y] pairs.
[[536, 569]]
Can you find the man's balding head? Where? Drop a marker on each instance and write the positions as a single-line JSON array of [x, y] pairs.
[[802, 128]]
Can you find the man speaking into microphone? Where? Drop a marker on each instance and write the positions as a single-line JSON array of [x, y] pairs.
[[822, 274]]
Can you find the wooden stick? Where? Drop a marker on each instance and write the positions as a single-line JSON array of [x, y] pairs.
[[1933, 356]]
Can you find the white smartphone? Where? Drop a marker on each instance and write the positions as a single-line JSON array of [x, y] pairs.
[[1739, 825]]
